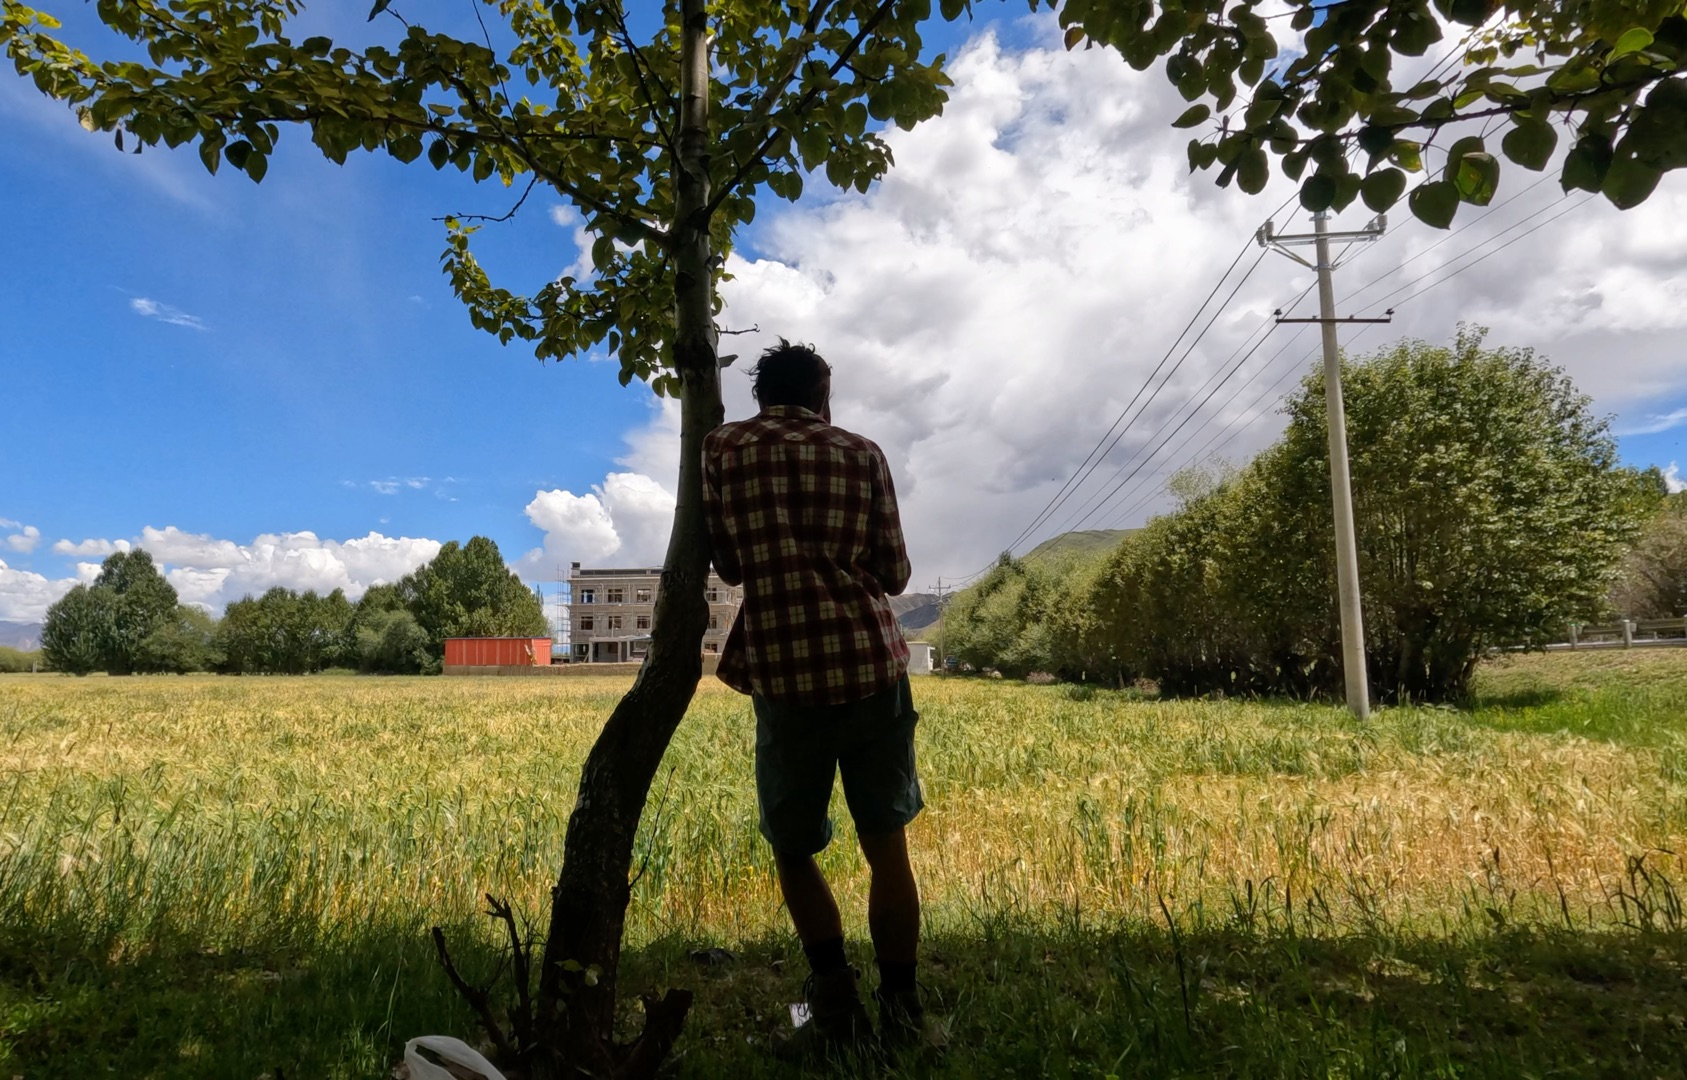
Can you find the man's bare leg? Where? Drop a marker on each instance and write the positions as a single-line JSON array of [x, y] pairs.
[[893, 900], [808, 898]]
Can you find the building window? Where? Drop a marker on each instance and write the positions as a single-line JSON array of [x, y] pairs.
[[712, 596], [614, 622], [582, 649], [586, 622], [642, 622], [588, 596], [710, 647], [615, 596], [639, 649], [641, 596], [714, 622]]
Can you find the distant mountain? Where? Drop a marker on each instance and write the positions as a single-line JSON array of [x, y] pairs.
[[1084, 543], [914, 611], [20, 635]]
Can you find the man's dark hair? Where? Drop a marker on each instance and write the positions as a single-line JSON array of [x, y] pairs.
[[789, 374]]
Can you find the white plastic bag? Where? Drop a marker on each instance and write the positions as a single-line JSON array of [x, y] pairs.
[[456, 1051]]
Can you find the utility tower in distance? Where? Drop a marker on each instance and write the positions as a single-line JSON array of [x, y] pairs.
[[1341, 483]]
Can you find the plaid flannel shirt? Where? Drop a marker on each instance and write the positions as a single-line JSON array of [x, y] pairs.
[[803, 515]]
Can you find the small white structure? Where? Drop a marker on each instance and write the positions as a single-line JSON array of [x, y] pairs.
[[919, 657]]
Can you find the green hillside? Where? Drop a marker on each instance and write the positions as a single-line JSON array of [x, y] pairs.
[[1083, 543]]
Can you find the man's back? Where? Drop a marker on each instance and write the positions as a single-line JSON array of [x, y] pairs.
[[804, 515]]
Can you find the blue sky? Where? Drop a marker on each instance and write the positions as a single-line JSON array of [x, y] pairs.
[[232, 360]]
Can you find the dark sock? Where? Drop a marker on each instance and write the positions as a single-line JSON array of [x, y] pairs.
[[825, 957], [896, 978]]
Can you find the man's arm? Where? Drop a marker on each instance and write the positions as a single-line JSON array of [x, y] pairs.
[[721, 549], [888, 560]]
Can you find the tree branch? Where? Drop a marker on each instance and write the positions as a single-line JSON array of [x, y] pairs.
[[476, 998], [639, 67], [521, 954], [771, 94], [842, 61], [531, 182]]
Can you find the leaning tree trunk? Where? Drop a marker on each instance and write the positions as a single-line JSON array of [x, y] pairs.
[[575, 1010]]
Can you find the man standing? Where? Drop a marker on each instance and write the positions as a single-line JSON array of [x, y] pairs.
[[803, 515]]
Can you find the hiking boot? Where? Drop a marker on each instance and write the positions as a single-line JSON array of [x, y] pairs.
[[837, 1020], [903, 1024]]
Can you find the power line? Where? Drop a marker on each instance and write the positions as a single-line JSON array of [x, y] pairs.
[[1093, 460], [1209, 445], [1265, 324], [1486, 255]]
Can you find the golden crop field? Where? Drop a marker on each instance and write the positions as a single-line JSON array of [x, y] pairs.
[[265, 854]]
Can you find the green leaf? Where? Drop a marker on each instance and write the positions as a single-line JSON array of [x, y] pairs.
[[1193, 115], [1629, 181], [1407, 154], [238, 153], [1434, 203], [1657, 136], [256, 166], [1587, 163], [1383, 188], [1477, 177], [1393, 116], [439, 152], [380, 6], [952, 9], [1318, 192], [1416, 33], [1632, 41], [1074, 37], [1530, 145], [1252, 170], [1470, 12], [1375, 140]]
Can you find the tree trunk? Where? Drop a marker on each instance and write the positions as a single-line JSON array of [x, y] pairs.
[[575, 1010]]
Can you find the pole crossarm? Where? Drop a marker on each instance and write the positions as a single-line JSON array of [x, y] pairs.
[[1345, 319]]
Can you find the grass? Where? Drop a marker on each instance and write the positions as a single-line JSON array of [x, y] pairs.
[[213, 877]]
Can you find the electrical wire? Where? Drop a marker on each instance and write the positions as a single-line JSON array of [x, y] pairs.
[[1093, 460]]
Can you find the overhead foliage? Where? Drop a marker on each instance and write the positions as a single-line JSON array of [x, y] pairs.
[[1604, 77]]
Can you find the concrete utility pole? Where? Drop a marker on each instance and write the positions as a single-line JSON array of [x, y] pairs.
[[942, 657], [1341, 483]]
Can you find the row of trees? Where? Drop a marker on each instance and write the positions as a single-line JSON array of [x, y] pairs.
[[1490, 512], [129, 620]]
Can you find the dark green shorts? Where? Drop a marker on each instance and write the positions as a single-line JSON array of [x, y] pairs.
[[800, 747]]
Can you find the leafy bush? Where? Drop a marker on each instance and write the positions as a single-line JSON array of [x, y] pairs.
[[13, 661]]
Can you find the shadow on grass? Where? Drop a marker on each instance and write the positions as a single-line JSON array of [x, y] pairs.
[[1018, 1002], [1229, 1004]]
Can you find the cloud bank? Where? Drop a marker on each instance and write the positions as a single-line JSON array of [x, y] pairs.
[[211, 572]]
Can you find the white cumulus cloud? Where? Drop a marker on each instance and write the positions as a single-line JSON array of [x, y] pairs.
[[25, 595], [623, 521], [24, 539], [211, 571], [1672, 478], [91, 547]]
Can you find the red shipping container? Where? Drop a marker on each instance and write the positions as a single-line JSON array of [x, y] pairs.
[[497, 652]]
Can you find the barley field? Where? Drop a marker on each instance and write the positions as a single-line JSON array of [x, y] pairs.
[[221, 877]]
